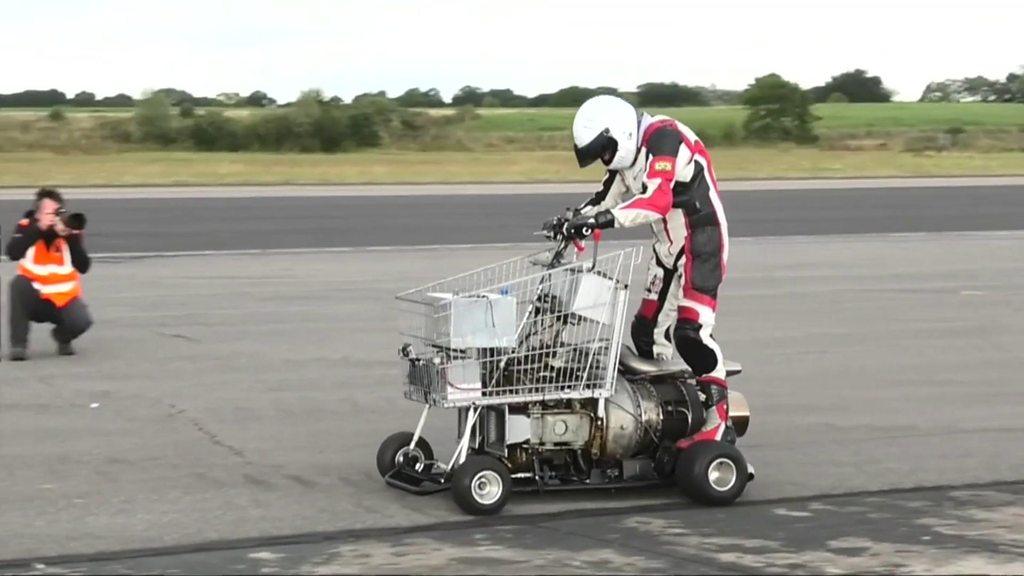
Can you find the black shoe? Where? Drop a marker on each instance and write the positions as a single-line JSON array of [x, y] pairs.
[[17, 355], [63, 348]]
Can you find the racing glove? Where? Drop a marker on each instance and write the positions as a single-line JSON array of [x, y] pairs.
[[584, 225]]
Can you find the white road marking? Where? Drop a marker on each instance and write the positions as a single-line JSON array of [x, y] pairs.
[[532, 245], [474, 189], [265, 556], [785, 512]]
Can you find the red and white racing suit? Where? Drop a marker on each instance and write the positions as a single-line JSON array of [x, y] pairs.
[[672, 187]]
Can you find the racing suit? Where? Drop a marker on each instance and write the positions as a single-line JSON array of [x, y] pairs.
[[671, 186]]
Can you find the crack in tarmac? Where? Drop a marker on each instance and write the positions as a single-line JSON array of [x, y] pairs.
[[210, 435]]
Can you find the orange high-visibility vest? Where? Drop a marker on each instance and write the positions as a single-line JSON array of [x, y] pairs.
[[51, 272]]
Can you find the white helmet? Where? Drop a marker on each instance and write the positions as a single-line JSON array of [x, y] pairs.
[[605, 128]]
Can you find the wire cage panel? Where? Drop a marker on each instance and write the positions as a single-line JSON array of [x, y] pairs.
[[518, 331]]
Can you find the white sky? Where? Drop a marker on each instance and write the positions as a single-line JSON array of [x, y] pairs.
[[346, 47]]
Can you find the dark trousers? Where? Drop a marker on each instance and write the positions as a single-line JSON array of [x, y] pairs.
[[28, 306]]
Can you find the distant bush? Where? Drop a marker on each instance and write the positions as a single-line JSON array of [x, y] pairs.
[[83, 98], [416, 98], [671, 94], [380, 106], [570, 97], [837, 98], [730, 135], [118, 129], [175, 96], [379, 95], [856, 85], [116, 101], [33, 98], [215, 131], [311, 124], [259, 99], [468, 96], [187, 110], [271, 132], [411, 123], [778, 111], [154, 120], [330, 131], [953, 133], [364, 130], [57, 114], [505, 98]]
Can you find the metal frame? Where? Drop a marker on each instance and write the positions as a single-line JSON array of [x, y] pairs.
[[526, 271]]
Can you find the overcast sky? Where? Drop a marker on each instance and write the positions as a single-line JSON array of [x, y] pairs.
[[346, 47]]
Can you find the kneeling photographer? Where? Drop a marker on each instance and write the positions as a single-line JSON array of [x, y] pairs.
[[47, 245]]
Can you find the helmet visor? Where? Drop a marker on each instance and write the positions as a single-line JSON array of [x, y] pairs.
[[603, 147]]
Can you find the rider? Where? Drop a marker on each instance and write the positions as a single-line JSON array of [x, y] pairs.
[[660, 173]]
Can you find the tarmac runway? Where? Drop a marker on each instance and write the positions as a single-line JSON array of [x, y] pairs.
[[224, 412], [202, 219], [970, 529]]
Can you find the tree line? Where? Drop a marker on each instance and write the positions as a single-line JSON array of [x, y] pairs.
[[86, 99], [651, 94], [852, 86], [777, 110]]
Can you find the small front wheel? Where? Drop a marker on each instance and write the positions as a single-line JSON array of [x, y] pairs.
[[394, 452], [712, 473], [481, 485]]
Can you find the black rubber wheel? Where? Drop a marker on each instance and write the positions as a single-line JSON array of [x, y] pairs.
[[481, 485], [712, 473], [394, 452]]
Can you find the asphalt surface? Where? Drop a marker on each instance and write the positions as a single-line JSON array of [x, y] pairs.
[[243, 397], [223, 414], [504, 214], [971, 529]]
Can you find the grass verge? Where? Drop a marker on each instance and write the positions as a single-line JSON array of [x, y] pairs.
[[191, 168]]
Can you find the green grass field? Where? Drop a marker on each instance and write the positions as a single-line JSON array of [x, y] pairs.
[[139, 168], [846, 117], [518, 145], [834, 117]]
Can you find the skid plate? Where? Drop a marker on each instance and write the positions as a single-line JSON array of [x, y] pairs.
[[414, 482]]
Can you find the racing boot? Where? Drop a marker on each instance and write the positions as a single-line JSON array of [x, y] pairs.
[[716, 414], [642, 331]]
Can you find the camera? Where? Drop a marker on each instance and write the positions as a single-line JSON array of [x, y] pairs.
[[73, 220]]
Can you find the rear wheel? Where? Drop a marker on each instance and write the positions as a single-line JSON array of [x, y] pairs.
[[712, 473], [481, 485], [394, 452]]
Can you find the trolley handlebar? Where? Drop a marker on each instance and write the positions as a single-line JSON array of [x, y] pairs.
[[554, 229]]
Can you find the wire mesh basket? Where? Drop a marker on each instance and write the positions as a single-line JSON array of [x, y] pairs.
[[518, 331]]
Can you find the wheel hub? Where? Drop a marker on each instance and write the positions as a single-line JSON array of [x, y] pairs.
[[412, 458], [487, 487], [722, 474]]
